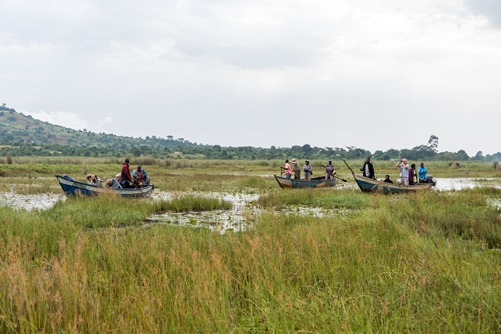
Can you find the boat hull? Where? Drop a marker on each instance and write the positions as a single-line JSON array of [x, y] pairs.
[[75, 188], [314, 183], [370, 185]]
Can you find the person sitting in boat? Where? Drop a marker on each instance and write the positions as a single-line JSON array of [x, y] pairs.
[[296, 169], [387, 179], [94, 180], [140, 177], [125, 177], [329, 170], [113, 183], [368, 169], [308, 172], [422, 174]]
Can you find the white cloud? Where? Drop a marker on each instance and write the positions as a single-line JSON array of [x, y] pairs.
[[261, 73]]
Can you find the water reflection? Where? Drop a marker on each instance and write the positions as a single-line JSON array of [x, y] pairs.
[[449, 184], [235, 220], [31, 201]]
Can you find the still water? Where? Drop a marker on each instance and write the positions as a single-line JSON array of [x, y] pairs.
[[240, 217]]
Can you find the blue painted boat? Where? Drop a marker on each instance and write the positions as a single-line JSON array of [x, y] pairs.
[[318, 182], [369, 185], [73, 187]]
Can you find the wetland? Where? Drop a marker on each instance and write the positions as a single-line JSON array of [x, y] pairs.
[[219, 247]]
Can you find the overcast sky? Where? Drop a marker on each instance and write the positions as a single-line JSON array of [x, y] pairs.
[[375, 74]]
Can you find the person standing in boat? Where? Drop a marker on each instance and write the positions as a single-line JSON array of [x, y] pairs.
[[296, 169], [287, 169], [329, 170], [412, 175], [368, 169], [125, 177], [308, 172], [404, 171]]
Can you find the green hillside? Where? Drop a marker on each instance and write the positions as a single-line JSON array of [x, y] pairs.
[[25, 135], [22, 135]]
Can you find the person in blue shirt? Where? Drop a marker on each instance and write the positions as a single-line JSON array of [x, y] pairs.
[[422, 174]]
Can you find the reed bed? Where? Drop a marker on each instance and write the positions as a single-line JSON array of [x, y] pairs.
[[424, 262]]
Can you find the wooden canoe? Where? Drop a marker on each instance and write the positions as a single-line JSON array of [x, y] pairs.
[[369, 185], [318, 182], [73, 187]]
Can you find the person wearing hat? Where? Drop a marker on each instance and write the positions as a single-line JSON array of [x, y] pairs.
[[307, 170], [113, 183], [329, 170], [296, 169]]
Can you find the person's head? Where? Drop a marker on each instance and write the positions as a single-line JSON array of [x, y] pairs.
[[89, 177], [138, 168], [306, 162], [421, 164], [404, 160], [330, 161], [94, 177], [287, 160], [109, 182], [127, 161], [293, 160], [387, 177], [368, 159], [413, 165], [119, 177]]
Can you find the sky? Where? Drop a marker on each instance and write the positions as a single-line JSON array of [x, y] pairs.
[[373, 74]]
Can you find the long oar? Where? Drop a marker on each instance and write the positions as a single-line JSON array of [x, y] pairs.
[[352, 172]]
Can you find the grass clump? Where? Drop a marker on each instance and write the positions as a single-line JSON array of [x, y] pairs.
[[323, 198], [194, 203]]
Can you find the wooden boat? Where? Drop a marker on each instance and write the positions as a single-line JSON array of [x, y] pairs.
[[317, 182], [73, 187], [369, 185]]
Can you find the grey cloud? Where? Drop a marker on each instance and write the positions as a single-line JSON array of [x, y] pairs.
[[489, 8]]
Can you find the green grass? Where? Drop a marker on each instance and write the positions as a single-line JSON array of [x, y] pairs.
[[427, 262]]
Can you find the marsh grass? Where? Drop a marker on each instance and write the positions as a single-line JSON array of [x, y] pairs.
[[193, 203], [407, 263], [323, 198]]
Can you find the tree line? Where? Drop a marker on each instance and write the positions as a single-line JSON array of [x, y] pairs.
[[21, 135]]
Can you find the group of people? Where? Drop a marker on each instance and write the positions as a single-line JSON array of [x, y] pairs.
[[289, 169], [408, 174], [125, 179]]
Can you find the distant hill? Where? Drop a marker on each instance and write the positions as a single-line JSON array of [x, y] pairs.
[[24, 133]]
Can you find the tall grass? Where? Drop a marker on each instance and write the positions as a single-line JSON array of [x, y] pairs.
[[425, 262], [292, 275]]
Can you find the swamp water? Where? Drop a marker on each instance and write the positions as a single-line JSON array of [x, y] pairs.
[[240, 217]]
